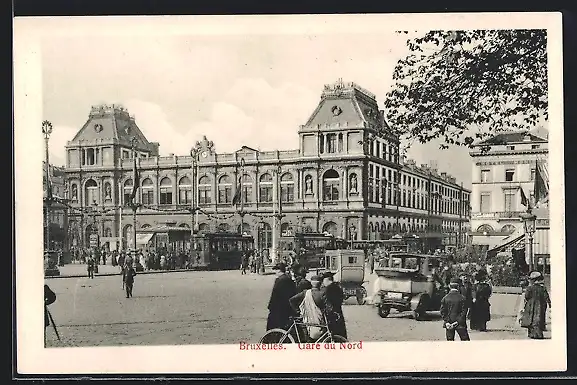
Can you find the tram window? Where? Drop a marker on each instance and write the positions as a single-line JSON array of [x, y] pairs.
[[352, 260], [333, 262], [396, 262], [411, 263]]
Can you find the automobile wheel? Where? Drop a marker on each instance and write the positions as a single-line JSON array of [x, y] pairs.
[[361, 295], [383, 311], [418, 314]]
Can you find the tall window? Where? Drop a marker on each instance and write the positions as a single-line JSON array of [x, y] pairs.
[[510, 201], [91, 188], [371, 184], [485, 176], [287, 188], [165, 191], [321, 143], [264, 236], [509, 175], [331, 143], [127, 190], [533, 173], [340, 145], [247, 188], [204, 191], [184, 191], [147, 192], [331, 185], [224, 189], [265, 188], [485, 203]]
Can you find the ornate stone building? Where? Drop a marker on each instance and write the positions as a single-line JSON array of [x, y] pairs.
[[347, 177]]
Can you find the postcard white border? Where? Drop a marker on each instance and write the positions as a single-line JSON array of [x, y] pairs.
[[375, 357]]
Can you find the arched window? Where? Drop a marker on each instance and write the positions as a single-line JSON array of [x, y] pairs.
[[404, 228], [331, 228], [91, 188], [127, 239], [203, 227], [264, 236], [224, 189], [331, 185], [371, 232], [265, 188], [145, 226], [165, 191], [245, 228], [147, 192], [485, 229], [389, 227], [223, 227], [287, 187], [127, 190], [246, 181], [204, 191], [184, 191], [508, 229], [286, 228], [90, 229], [184, 225]]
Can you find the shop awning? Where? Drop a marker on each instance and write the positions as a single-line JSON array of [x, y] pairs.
[[143, 239], [513, 240]]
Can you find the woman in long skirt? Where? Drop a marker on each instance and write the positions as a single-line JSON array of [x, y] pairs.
[[481, 307], [536, 302]]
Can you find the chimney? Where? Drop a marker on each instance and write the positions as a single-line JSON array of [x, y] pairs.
[[444, 175]]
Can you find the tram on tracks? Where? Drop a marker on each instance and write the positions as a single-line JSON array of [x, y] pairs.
[[220, 250]]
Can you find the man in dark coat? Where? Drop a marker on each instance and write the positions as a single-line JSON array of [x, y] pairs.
[[466, 290], [333, 297], [90, 267], [302, 283], [454, 313], [279, 309], [536, 302], [49, 298], [129, 280], [481, 307]]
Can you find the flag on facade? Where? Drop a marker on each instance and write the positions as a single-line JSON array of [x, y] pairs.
[[238, 192], [541, 188], [136, 182], [524, 200]]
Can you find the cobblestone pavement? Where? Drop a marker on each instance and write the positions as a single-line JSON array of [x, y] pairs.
[[219, 308]]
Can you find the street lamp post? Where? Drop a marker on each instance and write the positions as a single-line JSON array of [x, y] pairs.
[[277, 215], [195, 198], [529, 220], [47, 131]]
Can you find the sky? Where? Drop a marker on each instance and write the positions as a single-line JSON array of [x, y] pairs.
[[253, 90]]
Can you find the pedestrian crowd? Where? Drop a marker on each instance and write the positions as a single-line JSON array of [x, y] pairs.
[[318, 301]]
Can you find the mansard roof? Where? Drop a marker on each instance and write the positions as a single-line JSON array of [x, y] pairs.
[[110, 123], [512, 137]]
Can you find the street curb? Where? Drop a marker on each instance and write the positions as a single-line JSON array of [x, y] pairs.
[[507, 290], [138, 273]]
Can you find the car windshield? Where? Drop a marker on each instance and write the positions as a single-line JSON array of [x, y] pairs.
[[401, 262]]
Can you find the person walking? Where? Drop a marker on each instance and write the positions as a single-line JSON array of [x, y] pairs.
[[279, 309], [258, 258], [481, 307], [466, 290], [129, 275], [454, 313], [334, 297], [90, 267], [537, 301], [244, 261]]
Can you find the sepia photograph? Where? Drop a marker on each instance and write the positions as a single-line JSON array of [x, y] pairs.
[[248, 191]]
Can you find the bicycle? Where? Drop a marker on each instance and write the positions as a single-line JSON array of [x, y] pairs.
[[282, 336]]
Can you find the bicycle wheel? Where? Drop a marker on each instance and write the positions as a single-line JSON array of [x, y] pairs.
[[335, 338], [277, 336]]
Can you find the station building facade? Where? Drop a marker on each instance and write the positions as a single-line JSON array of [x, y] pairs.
[[347, 178]]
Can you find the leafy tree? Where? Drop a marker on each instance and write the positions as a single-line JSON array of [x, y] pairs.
[[463, 86]]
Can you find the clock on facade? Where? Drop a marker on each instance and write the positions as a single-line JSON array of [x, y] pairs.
[[98, 127], [336, 110], [204, 154]]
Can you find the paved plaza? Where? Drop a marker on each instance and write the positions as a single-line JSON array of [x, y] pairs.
[[220, 307]]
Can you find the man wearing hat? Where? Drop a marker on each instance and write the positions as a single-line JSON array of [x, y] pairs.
[[302, 283], [310, 305], [454, 312], [333, 298], [536, 302], [481, 307], [279, 309]]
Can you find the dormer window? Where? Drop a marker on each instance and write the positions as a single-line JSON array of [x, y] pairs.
[[511, 148], [535, 146]]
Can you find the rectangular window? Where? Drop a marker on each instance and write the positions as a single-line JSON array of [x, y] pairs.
[[533, 173], [535, 146], [485, 203], [510, 201], [378, 148], [204, 196], [287, 193], [165, 197], [224, 195], [246, 194], [509, 175], [384, 154], [185, 197], [266, 194], [331, 143], [511, 148], [147, 197]]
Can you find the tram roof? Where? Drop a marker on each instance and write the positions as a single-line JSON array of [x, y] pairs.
[[163, 229]]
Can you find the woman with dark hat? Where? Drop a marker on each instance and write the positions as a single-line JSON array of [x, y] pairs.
[[536, 302], [481, 307], [333, 297]]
